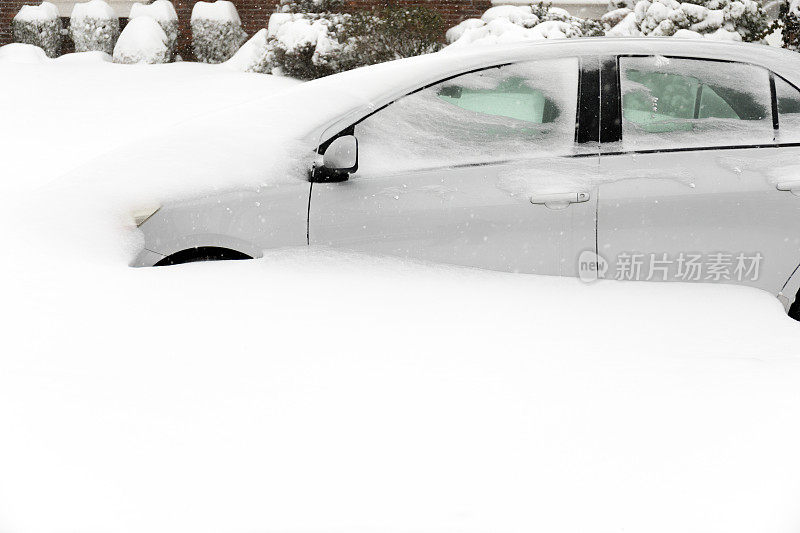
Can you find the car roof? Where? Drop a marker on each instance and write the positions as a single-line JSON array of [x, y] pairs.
[[351, 95]]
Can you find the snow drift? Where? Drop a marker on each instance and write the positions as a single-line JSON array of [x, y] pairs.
[[384, 395]]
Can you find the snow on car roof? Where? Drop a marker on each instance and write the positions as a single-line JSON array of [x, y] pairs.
[[356, 92]]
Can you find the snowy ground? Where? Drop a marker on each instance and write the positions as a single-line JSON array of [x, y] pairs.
[[318, 392]]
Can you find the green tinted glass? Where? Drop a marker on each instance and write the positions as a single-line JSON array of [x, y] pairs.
[[661, 101], [512, 98]]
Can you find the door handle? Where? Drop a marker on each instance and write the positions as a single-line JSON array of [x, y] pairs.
[[559, 200], [790, 186]]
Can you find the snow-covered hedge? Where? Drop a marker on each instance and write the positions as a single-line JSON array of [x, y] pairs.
[[40, 26], [308, 45], [305, 39], [142, 41], [738, 20], [256, 55], [93, 25], [507, 23], [393, 32], [163, 12], [216, 31]]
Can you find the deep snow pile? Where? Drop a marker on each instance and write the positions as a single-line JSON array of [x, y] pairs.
[[142, 41], [383, 395], [128, 102], [507, 23], [216, 31], [40, 26], [163, 12], [735, 20]]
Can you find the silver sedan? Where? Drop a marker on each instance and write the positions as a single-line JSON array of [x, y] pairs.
[[631, 159]]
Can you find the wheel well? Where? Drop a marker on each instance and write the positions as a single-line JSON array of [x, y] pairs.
[[794, 309], [202, 253]]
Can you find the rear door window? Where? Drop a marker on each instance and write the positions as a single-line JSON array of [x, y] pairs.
[[679, 103]]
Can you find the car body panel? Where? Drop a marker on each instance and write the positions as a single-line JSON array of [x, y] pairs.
[[467, 216], [249, 222], [698, 202]]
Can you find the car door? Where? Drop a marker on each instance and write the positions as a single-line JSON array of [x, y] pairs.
[[482, 169], [690, 186]]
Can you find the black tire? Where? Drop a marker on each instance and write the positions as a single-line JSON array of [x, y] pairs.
[[794, 309], [202, 253]]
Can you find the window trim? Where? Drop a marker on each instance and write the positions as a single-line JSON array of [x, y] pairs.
[[773, 105], [610, 100], [773, 95], [587, 115]]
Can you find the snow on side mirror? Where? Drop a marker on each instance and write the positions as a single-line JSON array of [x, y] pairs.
[[341, 157]]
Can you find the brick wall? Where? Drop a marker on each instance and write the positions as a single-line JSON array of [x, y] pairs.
[[255, 14], [8, 8]]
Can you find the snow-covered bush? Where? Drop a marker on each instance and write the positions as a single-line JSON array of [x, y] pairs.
[[507, 23], [393, 32], [216, 31], [308, 45], [142, 41], [256, 55], [310, 6], [93, 25], [308, 39], [40, 26], [738, 20], [163, 12], [788, 24]]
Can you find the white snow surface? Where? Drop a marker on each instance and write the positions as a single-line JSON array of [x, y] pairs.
[[161, 10], [142, 41], [250, 53], [22, 53], [43, 12], [219, 10], [323, 392], [93, 9]]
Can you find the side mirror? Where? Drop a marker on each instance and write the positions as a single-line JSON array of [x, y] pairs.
[[341, 156]]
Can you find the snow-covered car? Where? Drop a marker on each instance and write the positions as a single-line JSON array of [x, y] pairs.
[[651, 159]]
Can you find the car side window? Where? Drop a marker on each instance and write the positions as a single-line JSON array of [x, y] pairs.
[[788, 98], [678, 103], [497, 114]]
